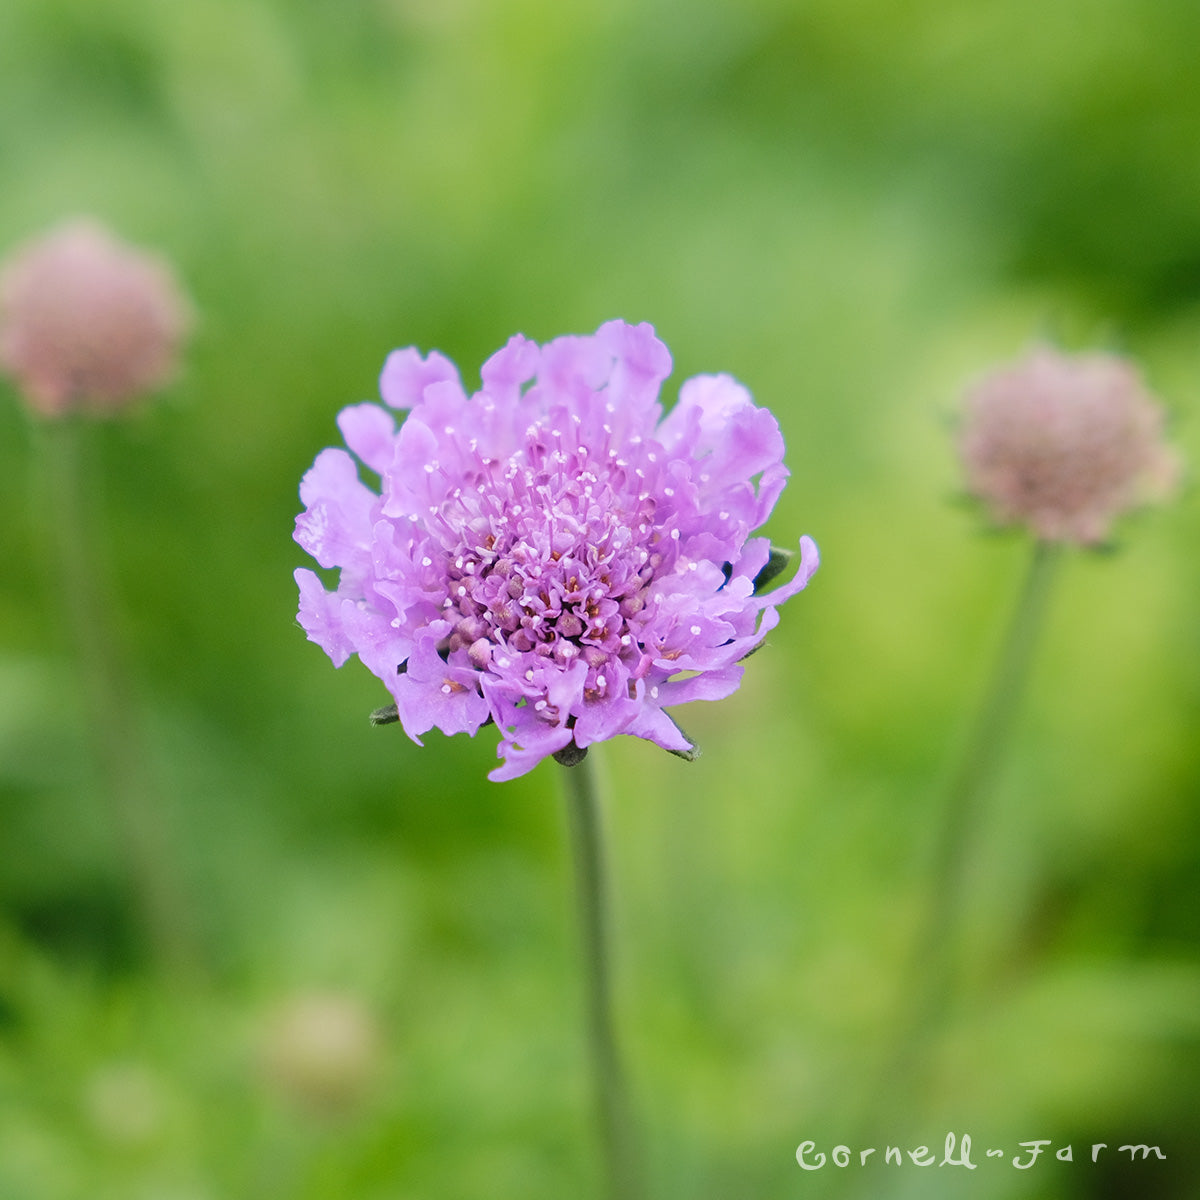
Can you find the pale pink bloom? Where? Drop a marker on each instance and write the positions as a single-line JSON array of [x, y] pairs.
[[88, 322], [1064, 443]]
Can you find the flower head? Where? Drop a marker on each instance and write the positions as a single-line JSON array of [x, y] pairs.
[[1064, 443], [550, 553], [87, 322]]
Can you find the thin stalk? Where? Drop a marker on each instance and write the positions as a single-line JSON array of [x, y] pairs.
[[85, 589], [611, 1100], [932, 968], [933, 965], [984, 752]]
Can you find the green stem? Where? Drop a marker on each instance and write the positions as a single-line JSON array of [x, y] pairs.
[[989, 738], [930, 983], [982, 756], [86, 594], [611, 1100]]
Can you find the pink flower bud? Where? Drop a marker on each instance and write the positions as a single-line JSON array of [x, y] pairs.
[[1064, 443], [87, 322]]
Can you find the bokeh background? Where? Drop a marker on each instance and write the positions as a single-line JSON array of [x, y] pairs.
[[853, 207]]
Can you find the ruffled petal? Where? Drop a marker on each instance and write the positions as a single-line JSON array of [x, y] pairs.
[[369, 431], [336, 526], [319, 617], [655, 726], [406, 375], [509, 368], [810, 560]]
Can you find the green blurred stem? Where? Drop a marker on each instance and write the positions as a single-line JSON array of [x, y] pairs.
[[84, 583], [983, 754], [611, 1099]]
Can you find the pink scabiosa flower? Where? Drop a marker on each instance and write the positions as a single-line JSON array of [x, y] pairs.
[[550, 553], [1064, 444], [87, 322]]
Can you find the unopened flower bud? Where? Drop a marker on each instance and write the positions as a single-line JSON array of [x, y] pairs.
[[1064, 444], [321, 1050], [87, 322], [125, 1102]]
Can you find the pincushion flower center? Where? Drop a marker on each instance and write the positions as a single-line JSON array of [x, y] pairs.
[[554, 557]]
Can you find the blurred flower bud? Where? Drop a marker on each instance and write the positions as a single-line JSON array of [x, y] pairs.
[[321, 1050], [1064, 444], [125, 1103], [87, 322]]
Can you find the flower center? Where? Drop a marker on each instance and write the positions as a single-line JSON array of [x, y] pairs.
[[553, 554]]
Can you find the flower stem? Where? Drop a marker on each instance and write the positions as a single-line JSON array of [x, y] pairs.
[[930, 984], [611, 1101], [86, 590], [976, 772]]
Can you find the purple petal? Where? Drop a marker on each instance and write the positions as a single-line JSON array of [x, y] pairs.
[[709, 685], [406, 375], [369, 431], [642, 362], [319, 617], [336, 526], [507, 369], [525, 747], [810, 560], [655, 726]]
